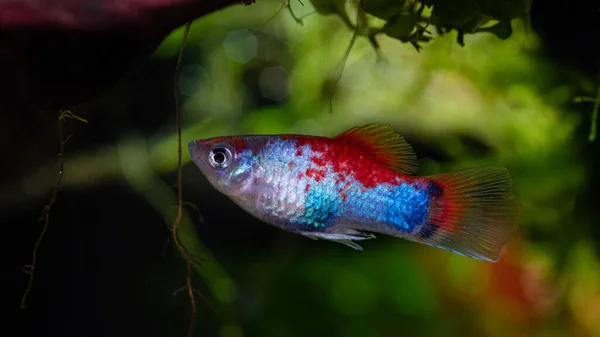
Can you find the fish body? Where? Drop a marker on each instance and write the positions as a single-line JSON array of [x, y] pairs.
[[360, 182]]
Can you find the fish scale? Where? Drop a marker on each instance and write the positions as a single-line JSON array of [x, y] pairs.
[[303, 202], [284, 198], [315, 203], [359, 182]]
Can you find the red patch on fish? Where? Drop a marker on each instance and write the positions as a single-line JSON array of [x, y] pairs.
[[317, 174], [238, 142], [347, 161]]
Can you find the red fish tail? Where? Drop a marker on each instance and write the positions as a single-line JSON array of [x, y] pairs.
[[472, 212]]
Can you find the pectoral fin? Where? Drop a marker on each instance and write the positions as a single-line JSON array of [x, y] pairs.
[[265, 195]]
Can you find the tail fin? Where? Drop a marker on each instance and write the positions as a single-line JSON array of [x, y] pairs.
[[472, 212]]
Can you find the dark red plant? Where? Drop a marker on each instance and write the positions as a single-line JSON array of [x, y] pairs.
[[58, 53]]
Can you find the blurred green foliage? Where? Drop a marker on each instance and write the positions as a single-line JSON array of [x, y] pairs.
[[408, 20], [492, 102]]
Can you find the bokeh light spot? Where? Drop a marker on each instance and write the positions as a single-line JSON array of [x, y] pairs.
[[241, 46], [274, 83]]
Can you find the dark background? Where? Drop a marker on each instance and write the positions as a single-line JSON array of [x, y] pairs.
[[94, 268]]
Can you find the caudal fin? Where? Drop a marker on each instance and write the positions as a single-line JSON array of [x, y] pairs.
[[472, 212]]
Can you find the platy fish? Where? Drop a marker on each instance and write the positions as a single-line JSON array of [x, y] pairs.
[[358, 183]]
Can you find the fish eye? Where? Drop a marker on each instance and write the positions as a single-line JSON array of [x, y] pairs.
[[219, 157]]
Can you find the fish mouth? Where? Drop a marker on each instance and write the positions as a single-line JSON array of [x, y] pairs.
[[198, 154], [191, 146], [195, 146], [197, 149]]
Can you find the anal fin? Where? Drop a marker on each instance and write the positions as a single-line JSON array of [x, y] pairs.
[[347, 237]]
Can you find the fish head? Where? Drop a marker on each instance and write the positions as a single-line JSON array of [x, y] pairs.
[[228, 163]]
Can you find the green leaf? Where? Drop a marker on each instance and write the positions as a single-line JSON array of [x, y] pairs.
[[502, 29], [383, 9], [455, 13], [400, 27], [330, 6], [506, 9]]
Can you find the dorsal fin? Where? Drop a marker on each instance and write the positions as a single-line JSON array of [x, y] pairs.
[[385, 145]]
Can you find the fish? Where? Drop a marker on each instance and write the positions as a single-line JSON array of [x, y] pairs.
[[362, 182]]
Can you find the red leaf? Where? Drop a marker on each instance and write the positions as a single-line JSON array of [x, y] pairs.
[[56, 54], [98, 14]]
